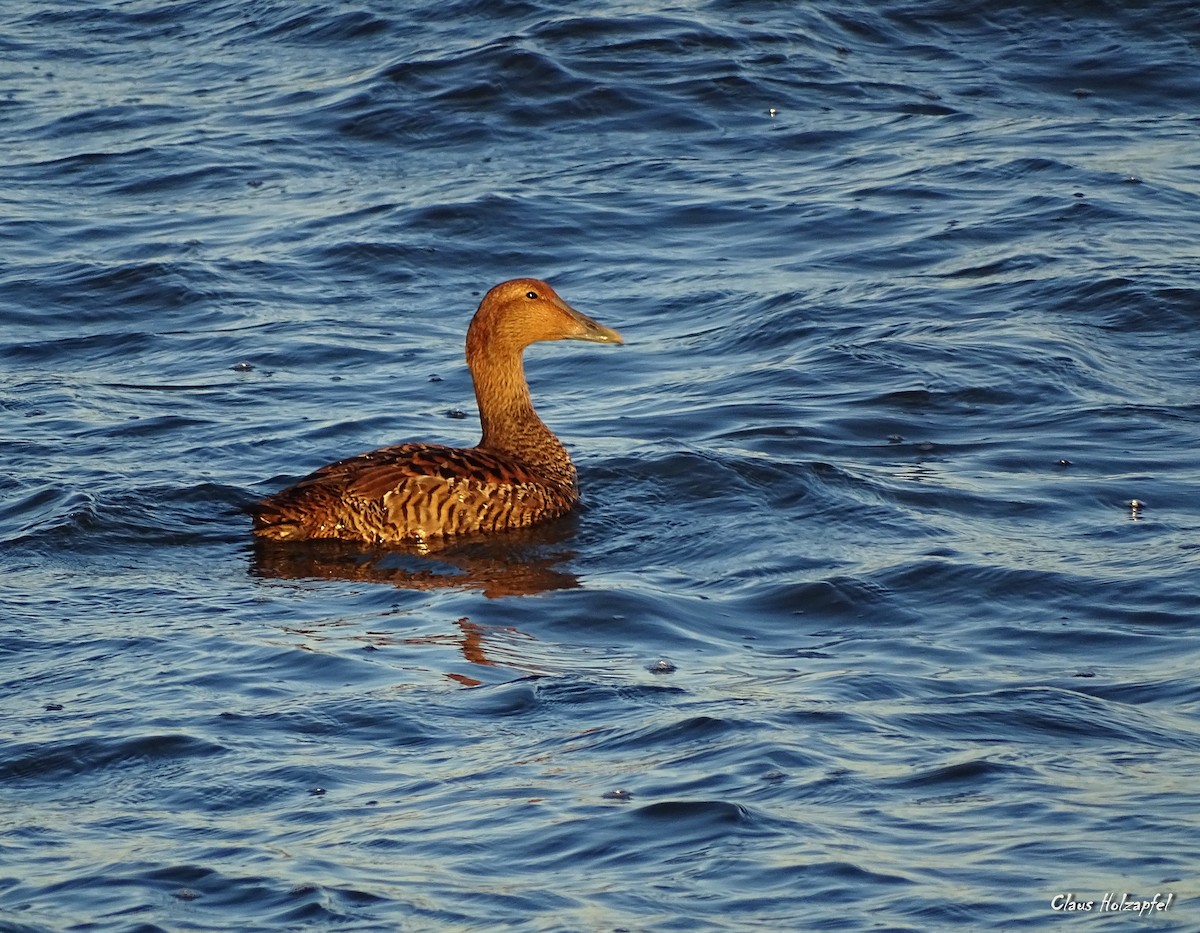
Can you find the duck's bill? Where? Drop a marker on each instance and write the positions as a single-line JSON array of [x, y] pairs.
[[591, 330]]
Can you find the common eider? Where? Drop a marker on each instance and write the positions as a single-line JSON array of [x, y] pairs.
[[519, 474]]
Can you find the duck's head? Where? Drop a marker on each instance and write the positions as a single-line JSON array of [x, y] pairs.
[[519, 312]]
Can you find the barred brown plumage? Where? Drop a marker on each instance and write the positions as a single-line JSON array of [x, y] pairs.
[[518, 474]]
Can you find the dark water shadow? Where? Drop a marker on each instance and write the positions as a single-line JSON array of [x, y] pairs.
[[517, 563]]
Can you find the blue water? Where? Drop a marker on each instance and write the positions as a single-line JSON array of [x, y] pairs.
[[881, 610]]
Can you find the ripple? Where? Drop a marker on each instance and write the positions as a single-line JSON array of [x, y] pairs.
[[65, 760]]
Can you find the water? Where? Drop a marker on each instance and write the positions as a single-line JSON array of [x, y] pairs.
[[880, 613]]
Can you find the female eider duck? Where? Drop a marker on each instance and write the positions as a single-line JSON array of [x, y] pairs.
[[519, 473]]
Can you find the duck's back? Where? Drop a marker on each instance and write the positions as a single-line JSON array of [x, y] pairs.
[[413, 493]]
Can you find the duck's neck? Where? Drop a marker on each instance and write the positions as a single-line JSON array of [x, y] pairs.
[[510, 425]]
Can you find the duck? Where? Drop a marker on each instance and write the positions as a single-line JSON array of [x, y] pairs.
[[517, 476]]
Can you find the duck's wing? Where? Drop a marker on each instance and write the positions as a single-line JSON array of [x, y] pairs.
[[389, 470], [410, 492]]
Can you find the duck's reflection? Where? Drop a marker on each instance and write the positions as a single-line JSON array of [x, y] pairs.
[[475, 641], [517, 563], [504, 648]]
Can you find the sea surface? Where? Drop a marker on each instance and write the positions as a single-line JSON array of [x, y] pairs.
[[882, 609]]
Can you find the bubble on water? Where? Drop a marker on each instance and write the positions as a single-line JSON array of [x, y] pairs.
[[661, 666], [242, 367], [456, 413], [617, 794], [316, 791]]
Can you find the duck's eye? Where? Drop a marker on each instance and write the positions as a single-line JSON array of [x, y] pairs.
[[531, 294]]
